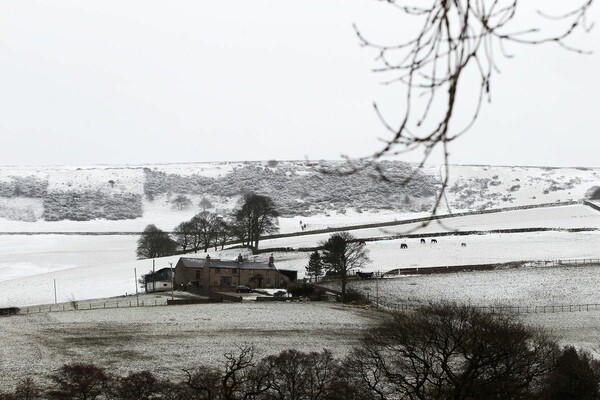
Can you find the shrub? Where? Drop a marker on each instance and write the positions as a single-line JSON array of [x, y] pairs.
[[78, 382], [136, 386], [302, 289], [89, 205], [575, 377]]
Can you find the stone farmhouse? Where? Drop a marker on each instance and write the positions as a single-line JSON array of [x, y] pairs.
[[216, 274]]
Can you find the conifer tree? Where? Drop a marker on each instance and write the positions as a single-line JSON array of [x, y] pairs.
[[315, 266]]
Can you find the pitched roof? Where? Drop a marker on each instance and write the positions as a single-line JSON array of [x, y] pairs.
[[217, 263]]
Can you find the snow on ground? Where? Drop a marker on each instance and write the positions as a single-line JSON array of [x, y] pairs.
[[523, 287], [386, 255], [535, 185], [26, 255], [576, 216], [98, 281], [519, 185], [106, 262], [579, 329], [115, 279], [166, 339]]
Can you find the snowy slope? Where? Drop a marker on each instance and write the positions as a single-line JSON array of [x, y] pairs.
[[470, 188]]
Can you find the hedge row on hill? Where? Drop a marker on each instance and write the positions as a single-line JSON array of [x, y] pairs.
[[301, 194], [89, 205], [27, 186]]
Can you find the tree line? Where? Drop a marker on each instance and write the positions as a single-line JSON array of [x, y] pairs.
[[437, 352], [256, 216]]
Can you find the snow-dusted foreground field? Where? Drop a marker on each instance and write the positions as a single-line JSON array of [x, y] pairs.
[[166, 339]]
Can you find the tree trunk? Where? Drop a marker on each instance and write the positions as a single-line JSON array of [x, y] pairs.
[[344, 281]]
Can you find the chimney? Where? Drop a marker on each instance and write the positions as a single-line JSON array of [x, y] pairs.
[[272, 261], [207, 257], [240, 258]]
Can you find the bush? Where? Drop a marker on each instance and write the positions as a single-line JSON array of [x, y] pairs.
[[575, 377], [302, 289], [89, 205], [354, 297], [79, 382]]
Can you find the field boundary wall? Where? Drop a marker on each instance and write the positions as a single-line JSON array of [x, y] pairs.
[[336, 229], [592, 205]]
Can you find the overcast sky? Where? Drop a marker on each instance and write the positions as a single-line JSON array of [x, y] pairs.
[[141, 81]]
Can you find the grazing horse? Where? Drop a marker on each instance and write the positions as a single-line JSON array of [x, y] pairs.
[[423, 241], [463, 245], [403, 246], [433, 240]]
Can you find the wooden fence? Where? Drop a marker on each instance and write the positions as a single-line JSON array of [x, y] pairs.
[[91, 305], [503, 309], [575, 262]]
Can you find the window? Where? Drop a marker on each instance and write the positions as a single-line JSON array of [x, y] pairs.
[[225, 281], [268, 281], [197, 274], [217, 270]]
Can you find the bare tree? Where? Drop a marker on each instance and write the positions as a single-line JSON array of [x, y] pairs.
[[136, 386], [79, 382], [204, 226], [223, 232], [181, 202], [458, 41], [204, 204], [257, 216], [447, 351], [184, 235], [155, 242], [341, 254]]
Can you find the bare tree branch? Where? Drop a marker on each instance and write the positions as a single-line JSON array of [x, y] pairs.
[[459, 40]]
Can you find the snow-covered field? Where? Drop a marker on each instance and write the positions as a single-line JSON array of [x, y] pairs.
[[166, 339], [103, 265], [523, 287], [26, 255]]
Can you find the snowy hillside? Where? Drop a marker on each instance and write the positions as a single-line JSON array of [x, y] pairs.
[[127, 198]]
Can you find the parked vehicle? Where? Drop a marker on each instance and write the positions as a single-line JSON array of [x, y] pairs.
[[243, 289]]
